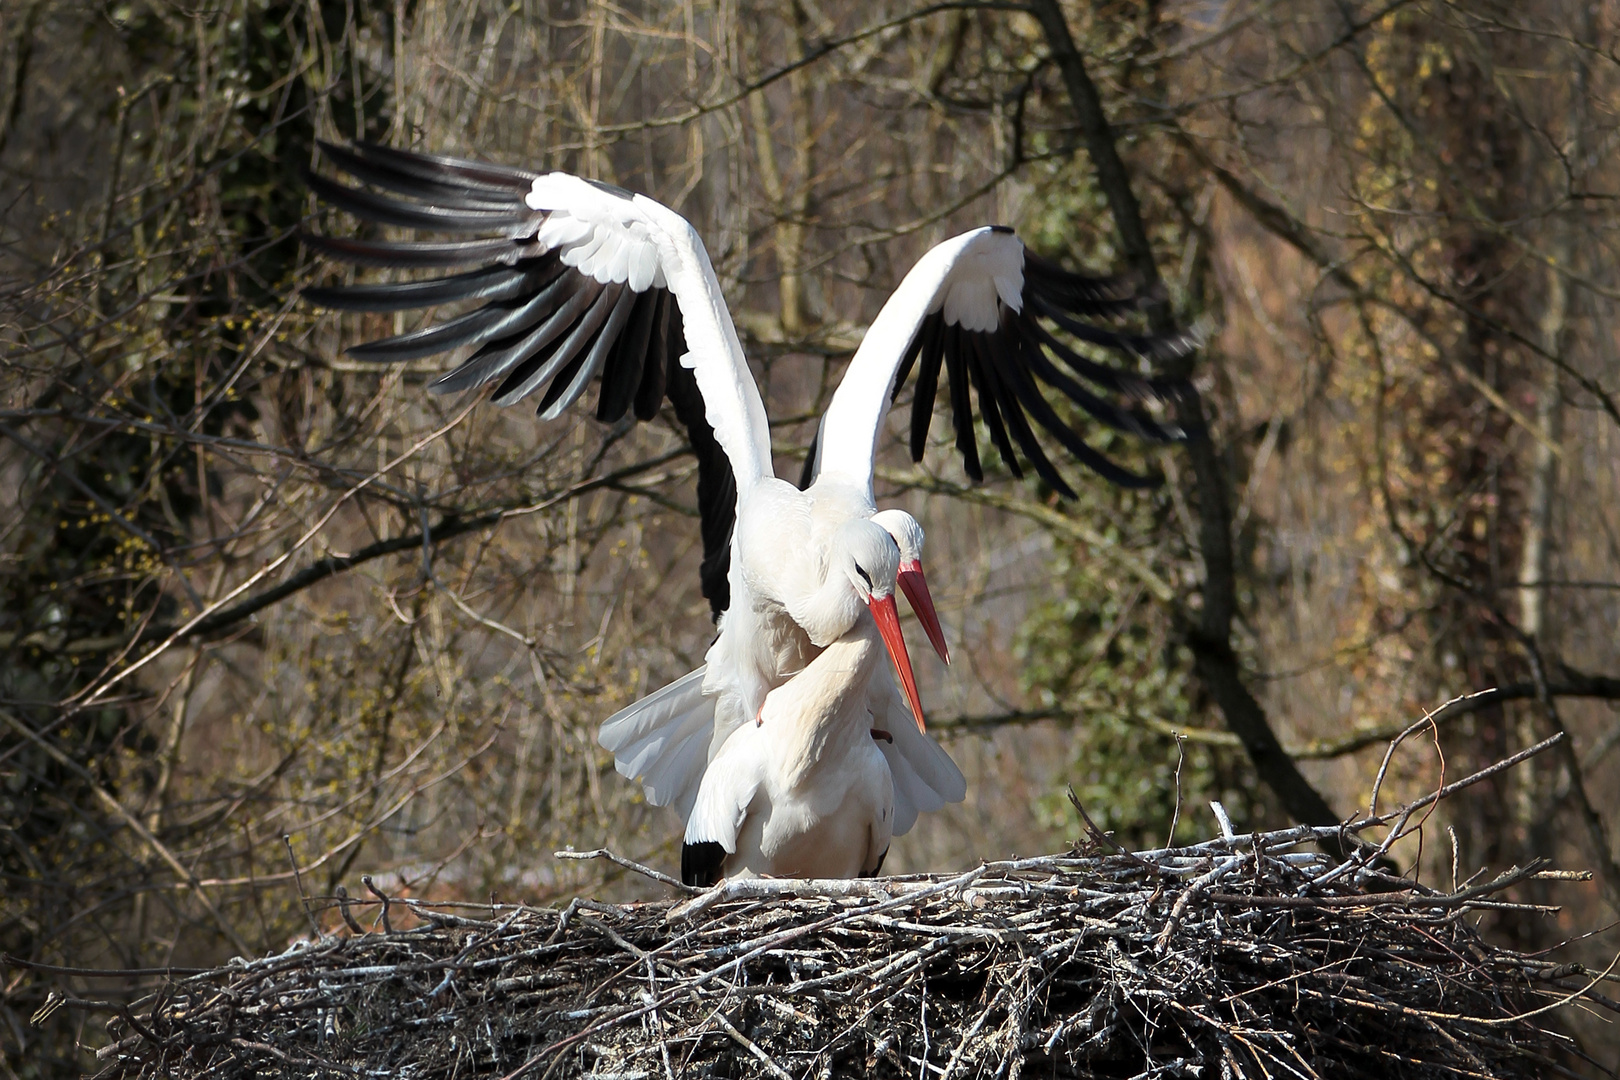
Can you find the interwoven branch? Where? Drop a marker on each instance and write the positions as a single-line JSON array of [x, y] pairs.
[[1246, 953]]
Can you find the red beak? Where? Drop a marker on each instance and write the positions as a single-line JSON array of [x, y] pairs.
[[915, 587], [887, 617]]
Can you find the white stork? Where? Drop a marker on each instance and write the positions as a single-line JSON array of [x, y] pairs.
[[806, 792], [582, 280]]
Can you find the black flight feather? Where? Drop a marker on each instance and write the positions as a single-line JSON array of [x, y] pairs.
[[617, 300], [440, 167], [537, 359], [564, 380], [904, 370], [444, 190], [1155, 346], [1047, 417], [425, 254], [717, 485], [489, 284], [498, 358], [961, 405], [807, 471], [983, 382], [922, 402], [1080, 293], [1119, 419], [651, 391], [621, 375], [1016, 381], [533, 374], [701, 863], [386, 211], [483, 324]]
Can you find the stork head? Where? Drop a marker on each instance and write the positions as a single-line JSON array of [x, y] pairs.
[[870, 558], [908, 536]]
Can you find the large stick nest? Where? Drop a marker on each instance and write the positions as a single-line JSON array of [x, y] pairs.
[[1248, 956]]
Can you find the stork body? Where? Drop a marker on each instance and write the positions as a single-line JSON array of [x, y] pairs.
[[790, 599], [807, 792]]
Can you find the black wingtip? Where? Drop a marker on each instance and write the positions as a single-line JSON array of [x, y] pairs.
[[701, 863], [511, 217], [332, 299], [878, 869]]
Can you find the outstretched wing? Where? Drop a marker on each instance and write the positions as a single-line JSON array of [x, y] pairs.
[[570, 282], [986, 312], [925, 777], [662, 741]]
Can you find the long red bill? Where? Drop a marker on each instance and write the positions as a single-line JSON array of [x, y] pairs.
[[887, 617], [915, 587]]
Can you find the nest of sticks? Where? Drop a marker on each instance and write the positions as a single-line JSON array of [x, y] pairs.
[[1246, 956]]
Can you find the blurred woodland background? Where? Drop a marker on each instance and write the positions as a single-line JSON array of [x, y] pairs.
[[266, 610]]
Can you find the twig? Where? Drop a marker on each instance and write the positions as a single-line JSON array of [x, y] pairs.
[[1098, 837], [1175, 815], [1404, 814], [1193, 890], [628, 864], [1459, 704], [826, 888], [298, 879], [371, 886]]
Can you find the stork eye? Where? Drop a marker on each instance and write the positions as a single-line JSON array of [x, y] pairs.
[[864, 576]]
